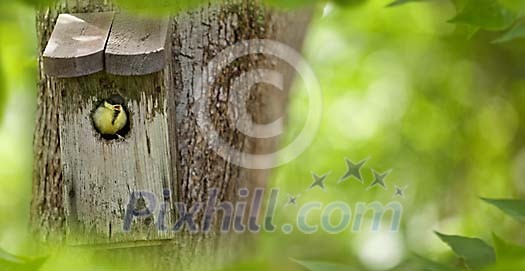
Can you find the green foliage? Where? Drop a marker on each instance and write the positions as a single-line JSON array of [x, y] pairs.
[[10, 262], [32, 3], [5, 15], [517, 264], [506, 250], [420, 263], [516, 5], [492, 15], [517, 31], [514, 208], [158, 7], [3, 91], [478, 254], [474, 251], [288, 4], [349, 3], [165, 7], [487, 14], [401, 2], [428, 128], [510, 256], [325, 266]]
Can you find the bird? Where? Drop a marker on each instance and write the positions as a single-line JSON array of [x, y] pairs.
[[110, 118]]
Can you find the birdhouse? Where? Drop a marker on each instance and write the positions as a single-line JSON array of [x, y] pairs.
[[91, 58]]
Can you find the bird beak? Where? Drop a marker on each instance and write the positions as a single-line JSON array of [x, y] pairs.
[[117, 108]]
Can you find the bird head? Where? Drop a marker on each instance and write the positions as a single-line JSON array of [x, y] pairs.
[[114, 103]]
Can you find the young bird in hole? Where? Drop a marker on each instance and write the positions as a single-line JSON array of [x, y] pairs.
[[110, 117]]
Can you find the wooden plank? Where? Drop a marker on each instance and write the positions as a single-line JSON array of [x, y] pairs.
[[136, 45], [76, 46], [99, 174]]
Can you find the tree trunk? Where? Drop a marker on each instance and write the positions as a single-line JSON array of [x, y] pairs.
[[196, 37]]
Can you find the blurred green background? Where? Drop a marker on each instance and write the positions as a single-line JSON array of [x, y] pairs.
[[18, 81], [401, 86]]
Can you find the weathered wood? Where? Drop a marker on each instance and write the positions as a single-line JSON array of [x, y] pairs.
[[100, 174], [76, 46], [197, 36], [136, 45]]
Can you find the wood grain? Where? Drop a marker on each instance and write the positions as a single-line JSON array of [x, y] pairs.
[[136, 45], [197, 36], [76, 46], [99, 174]]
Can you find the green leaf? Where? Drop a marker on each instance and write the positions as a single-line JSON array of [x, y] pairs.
[[460, 4], [249, 265], [348, 3], [474, 251], [471, 31], [514, 208], [6, 257], [10, 262], [507, 264], [420, 263], [516, 5], [401, 2], [32, 3], [506, 250], [518, 31], [487, 14], [325, 266]]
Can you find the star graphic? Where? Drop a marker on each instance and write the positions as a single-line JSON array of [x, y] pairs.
[[400, 191], [353, 170], [292, 200], [318, 180], [379, 179]]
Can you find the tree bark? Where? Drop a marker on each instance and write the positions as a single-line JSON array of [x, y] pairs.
[[197, 36]]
